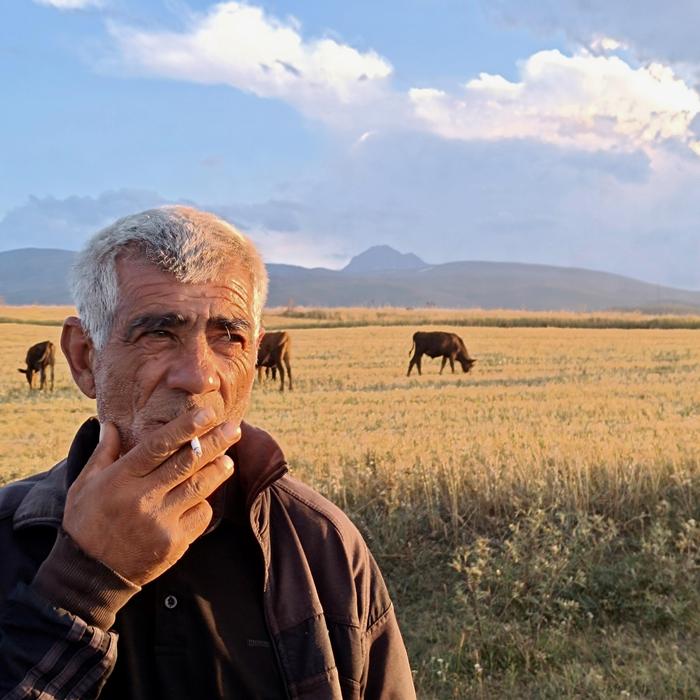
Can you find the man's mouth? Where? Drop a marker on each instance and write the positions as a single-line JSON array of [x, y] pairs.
[[153, 423]]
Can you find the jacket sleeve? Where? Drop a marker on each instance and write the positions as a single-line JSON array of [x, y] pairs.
[[387, 670], [55, 638], [387, 674]]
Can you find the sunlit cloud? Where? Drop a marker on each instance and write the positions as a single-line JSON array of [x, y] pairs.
[[590, 100], [240, 45], [581, 101]]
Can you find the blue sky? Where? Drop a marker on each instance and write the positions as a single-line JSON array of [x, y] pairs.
[[485, 129]]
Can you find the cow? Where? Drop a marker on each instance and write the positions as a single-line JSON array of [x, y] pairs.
[[39, 357], [449, 346], [274, 353]]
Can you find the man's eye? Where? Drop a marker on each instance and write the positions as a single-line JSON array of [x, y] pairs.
[[229, 339], [159, 334]]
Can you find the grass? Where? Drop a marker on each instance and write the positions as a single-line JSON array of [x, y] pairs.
[[39, 315], [536, 520], [354, 317], [493, 318]]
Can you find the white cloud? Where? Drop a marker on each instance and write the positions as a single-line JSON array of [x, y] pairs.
[[69, 4], [582, 101], [239, 45], [589, 100]]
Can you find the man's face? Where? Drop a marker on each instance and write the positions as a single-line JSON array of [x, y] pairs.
[[176, 346]]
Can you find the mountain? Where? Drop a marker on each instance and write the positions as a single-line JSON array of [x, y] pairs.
[[35, 276], [382, 276], [487, 285], [379, 258]]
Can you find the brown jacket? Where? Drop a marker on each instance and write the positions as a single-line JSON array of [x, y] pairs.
[[328, 613]]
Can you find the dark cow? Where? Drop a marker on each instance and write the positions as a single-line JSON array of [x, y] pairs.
[[274, 354], [449, 346], [39, 357]]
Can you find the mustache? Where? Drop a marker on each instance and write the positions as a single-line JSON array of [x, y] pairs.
[[177, 410]]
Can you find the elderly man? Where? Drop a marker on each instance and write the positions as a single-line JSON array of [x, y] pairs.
[[170, 555]]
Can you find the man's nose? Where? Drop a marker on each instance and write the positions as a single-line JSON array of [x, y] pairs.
[[194, 369]]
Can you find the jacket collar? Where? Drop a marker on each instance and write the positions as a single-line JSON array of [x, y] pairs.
[[258, 460]]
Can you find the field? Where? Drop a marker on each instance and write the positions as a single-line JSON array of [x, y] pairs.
[[537, 520]]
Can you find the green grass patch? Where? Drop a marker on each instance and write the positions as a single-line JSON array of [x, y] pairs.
[[537, 601]]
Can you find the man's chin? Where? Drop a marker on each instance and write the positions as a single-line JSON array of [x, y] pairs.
[[135, 434], [143, 430]]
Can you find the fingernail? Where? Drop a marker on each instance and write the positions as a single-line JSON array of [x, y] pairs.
[[230, 430], [203, 417], [102, 431], [228, 463]]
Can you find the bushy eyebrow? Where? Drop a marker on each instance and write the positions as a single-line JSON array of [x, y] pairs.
[[157, 322], [230, 325], [154, 322]]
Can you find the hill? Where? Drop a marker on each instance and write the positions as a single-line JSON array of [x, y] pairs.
[[382, 276], [35, 276]]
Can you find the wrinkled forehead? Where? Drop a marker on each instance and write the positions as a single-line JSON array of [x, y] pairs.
[[144, 285], [225, 266]]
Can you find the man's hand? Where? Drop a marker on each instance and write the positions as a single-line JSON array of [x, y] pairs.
[[139, 513]]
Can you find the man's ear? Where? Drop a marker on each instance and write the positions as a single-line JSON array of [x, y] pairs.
[[79, 351]]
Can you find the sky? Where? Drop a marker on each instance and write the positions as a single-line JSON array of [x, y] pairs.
[[563, 133]]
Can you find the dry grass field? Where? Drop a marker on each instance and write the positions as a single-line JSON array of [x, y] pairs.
[[538, 520], [350, 317]]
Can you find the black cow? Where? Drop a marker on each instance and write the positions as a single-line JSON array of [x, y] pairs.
[[274, 353], [449, 346], [39, 357]]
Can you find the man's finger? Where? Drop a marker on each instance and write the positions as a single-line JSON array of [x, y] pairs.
[[107, 450], [185, 463], [159, 445], [196, 520], [200, 485]]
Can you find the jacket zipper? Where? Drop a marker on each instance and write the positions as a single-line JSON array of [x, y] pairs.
[[266, 605]]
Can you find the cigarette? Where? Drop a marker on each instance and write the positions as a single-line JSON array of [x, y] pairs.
[[196, 446]]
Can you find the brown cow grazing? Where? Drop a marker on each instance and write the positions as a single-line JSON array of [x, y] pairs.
[[274, 354], [39, 357], [449, 346]]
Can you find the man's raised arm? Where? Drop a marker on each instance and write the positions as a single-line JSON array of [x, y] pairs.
[[127, 519]]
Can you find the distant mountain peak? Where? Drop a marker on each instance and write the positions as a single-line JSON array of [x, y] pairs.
[[381, 276], [383, 257]]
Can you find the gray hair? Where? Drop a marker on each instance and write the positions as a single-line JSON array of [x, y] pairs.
[[190, 244]]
